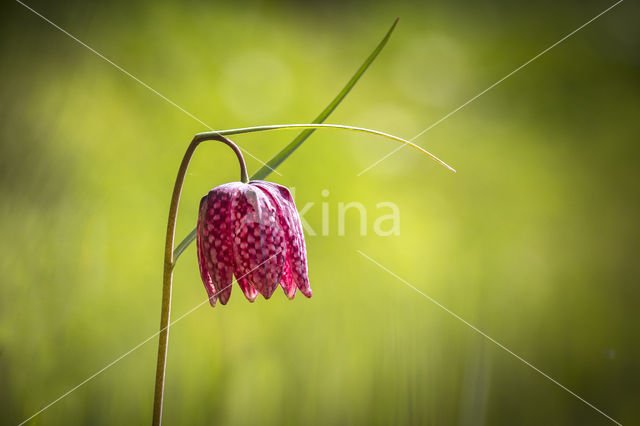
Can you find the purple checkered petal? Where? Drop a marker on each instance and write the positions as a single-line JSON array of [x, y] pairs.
[[294, 237], [252, 231]]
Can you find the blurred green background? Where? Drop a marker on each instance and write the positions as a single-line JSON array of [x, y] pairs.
[[534, 241]]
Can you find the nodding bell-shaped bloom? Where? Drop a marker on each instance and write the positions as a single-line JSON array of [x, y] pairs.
[[253, 231]]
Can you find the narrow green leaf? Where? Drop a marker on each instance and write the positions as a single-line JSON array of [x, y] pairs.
[[288, 150], [184, 244]]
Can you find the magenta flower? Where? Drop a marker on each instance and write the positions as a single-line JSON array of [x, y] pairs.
[[253, 231]]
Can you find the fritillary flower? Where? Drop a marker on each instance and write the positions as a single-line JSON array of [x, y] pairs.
[[253, 231]]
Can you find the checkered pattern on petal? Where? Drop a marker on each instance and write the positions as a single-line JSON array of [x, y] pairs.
[[258, 241], [294, 237], [252, 231]]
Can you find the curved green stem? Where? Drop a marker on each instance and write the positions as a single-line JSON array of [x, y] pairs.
[[169, 263], [322, 126]]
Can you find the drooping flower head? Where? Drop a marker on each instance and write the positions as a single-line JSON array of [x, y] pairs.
[[253, 231]]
